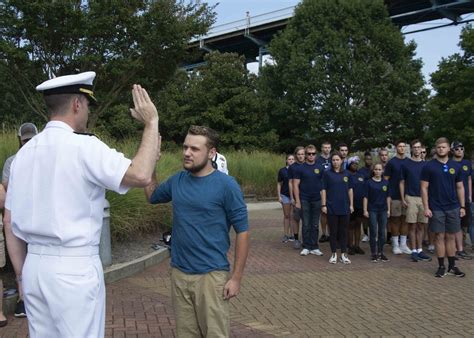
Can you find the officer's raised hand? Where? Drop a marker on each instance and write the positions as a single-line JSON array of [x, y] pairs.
[[144, 110]]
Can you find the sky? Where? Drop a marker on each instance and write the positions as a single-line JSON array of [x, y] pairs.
[[432, 45]]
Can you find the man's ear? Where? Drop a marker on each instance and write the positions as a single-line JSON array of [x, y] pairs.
[[212, 153]]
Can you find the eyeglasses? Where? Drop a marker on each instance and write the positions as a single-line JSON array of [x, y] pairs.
[[311, 154], [445, 168], [459, 148]]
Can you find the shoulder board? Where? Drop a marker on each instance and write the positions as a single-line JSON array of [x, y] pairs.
[[86, 134]]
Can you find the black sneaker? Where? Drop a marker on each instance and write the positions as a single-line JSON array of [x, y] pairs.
[[373, 258], [351, 251], [358, 250], [454, 271], [441, 272], [424, 257], [322, 239], [20, 309], [383, 258], [464, 255]]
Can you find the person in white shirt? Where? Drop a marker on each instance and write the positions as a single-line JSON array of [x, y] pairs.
[[219, 162], [55, 205]]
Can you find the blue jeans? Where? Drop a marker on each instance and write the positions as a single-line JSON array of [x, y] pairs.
[[471, 226], [311, 214], [377, 223]]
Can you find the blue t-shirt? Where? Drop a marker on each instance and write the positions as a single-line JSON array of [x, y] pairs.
[[310, 176], [204, 208], [283, 179], [392, 170], [324, 162], [337, 187], [292, 169], [442, 179], [358, 180], [376, 194], [465, 167], [411, 173], [365, 172]]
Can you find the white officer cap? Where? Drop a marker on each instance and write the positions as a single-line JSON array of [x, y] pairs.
[[70, 84]]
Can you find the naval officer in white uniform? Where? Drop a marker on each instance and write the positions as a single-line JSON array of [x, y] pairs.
[[55, 204]]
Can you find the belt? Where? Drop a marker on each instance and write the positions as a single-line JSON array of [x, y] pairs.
[[56, 250]]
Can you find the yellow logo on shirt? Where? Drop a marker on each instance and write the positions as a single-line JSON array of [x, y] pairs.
[[465, 168], [316, 171], [452, 171], [361, 179], [384, 188], [346, 179]]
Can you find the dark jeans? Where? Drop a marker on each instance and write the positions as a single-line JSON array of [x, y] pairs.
[[378, 223], [338, 225], [311, 214]]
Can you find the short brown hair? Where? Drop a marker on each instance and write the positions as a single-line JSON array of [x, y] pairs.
[[415, 141], [58, 104], [442, 140], [309, 146], [298, 148], [211, 135]]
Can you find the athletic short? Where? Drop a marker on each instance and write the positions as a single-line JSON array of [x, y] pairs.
[[445, 221], [2, 248], [396, 209], [357, 214], [297, 214], [467, 219], [415, 213], [285, 199]]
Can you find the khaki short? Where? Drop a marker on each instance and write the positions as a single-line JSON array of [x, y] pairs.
[[396, 209], [2, 248], [199, 305], [415, 213]]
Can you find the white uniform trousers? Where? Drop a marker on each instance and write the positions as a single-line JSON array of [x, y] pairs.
[[64, 292]]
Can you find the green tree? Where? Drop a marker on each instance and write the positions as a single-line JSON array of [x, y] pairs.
[[451, 109], [222, 95], [342, 72], [124, 42]]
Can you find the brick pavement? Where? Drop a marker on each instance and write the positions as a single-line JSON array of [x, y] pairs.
[[287, 295]]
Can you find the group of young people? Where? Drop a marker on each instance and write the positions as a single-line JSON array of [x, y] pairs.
[[412, 202]]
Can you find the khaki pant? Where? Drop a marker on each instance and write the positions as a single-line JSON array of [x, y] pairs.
[[199, 305]]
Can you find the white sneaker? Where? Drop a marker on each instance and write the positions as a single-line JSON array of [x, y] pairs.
[[333, 259], [316, 252], [396, 250], [404, 249], [304, 252], [344, 259], [365, 238]]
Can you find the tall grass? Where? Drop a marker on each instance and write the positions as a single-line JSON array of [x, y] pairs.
[[131, 214]]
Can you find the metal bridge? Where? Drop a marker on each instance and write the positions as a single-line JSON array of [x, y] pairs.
[[250, 36]]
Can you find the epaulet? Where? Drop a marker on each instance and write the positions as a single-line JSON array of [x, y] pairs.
[[86, 134]]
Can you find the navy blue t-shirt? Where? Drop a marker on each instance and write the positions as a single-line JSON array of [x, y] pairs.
[[324, 162], [392, 170], [358, 180], [337, 187], [283, 179], [465, 167], [411, 173], [442, 179], [365, 172], [292, 169], [310, 176], [376, 194]]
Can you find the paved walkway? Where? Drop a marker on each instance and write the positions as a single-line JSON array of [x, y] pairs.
[[287, 295]]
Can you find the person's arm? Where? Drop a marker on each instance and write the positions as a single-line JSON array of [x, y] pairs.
[[2, 196], [365, 203], [351, 200], [469, 186], [324, 207], [296, 192], [290, 187], [232, 287], [462, 202], [15, 246], [278, 191], [402, 193], [424, 198], [389, 202], [143, 164]]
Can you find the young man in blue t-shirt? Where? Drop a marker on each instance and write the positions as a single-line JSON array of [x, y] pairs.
[[206, 203], [307, 188], [457, 149], [300, 157], [397, 224], [442, 193], [324, 159], [411, 200]]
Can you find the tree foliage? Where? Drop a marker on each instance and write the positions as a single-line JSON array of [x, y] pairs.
[[451, 109], [222, 95], [122, 41], [342, 72]]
